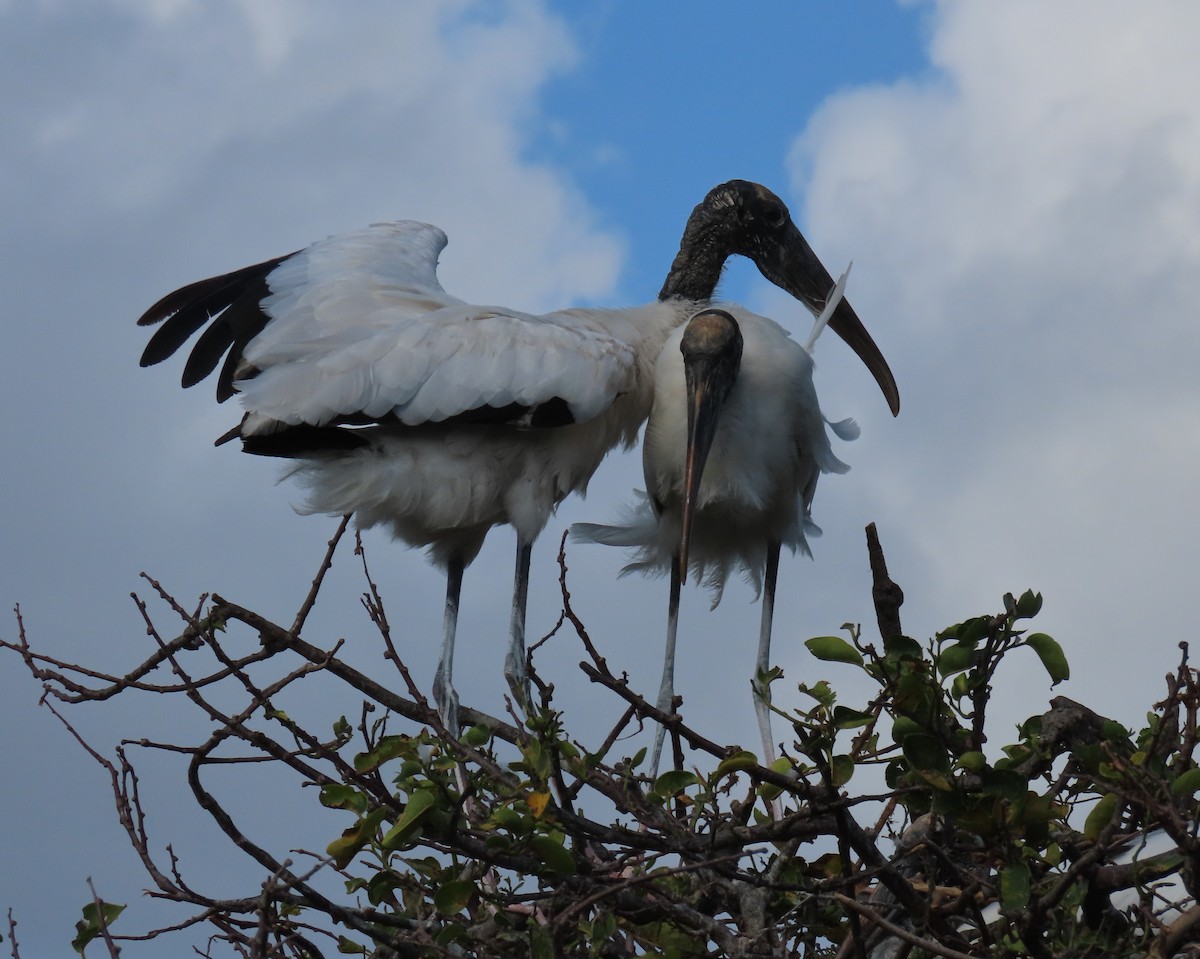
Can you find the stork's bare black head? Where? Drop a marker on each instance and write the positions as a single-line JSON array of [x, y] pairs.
[[712, 355], [735, 217], [740, 217]]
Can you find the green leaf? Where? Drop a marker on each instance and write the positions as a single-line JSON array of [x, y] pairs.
[[341, 796], [973, 761], [770, 791], [822, 692], [1014, 886], [971, 631], [1029, 604], [450, 934], [567, 750], [1186, 784], [738, 762], [556, 856], [603, 926], [903, 727], [954, 659], [1003, 783], [1100, 816], [841, 768], [901, 647], [668, 784], [764, 679], [537, 759], [936, 779], [925, 753], [88, 928], [453, 896], [382, 887], [477, 736], [505, 817], [419, 804], [834, 649], [1051, 655], [389, 747], [846, 718], [1112, 731], [108, 910], [343, 849], [348, 947]]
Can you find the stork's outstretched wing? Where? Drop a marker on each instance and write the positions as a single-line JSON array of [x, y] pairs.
[[356, 329]]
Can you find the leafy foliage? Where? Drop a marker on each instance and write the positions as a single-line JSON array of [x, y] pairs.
[[891, 825]]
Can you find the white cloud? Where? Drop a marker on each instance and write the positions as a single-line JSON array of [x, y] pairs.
[[1025, 224], [313, 122]]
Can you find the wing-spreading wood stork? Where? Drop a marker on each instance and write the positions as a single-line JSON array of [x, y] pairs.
[[440, 419], [734, 445]]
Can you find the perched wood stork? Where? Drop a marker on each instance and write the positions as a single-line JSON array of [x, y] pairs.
[[734, 445], [440, 419]]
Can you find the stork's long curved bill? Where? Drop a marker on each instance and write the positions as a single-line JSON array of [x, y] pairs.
[[794, 267], [705, 399]]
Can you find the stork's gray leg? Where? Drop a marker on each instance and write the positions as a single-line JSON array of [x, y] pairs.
[[514, 663], [666, 689], [444, 695], [762, 694]]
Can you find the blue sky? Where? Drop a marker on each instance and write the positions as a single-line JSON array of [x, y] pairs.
[[1017, 184]]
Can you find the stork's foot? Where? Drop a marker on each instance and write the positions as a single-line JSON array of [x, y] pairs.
[[517, 677], [762, 709], [665, 704]]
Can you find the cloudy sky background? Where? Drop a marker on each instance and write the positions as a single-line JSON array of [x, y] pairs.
[[1018, 186]]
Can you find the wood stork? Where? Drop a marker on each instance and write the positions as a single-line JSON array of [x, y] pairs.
[[733, 449], [439, 419]]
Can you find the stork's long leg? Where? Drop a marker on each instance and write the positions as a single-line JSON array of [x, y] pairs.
[[762, 694], [666, 690], [444, 695], [514, 662]]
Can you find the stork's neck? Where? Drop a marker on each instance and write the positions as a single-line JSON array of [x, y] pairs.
[[697, 267]]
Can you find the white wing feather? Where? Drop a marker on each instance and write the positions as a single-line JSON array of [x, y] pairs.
[[360, 324]]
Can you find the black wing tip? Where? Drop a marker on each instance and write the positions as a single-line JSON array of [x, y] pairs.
[[154, 353], [300, 441], [190, 379], [188, 308]]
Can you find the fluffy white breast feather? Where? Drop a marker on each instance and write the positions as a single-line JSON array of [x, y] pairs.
[[770, 447]]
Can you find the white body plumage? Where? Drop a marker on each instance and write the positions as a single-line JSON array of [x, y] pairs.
[[769, 448]]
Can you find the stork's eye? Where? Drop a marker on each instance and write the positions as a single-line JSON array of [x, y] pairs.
[[774, 215]]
